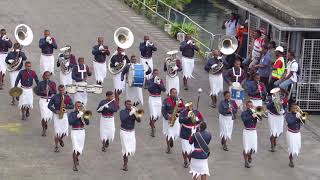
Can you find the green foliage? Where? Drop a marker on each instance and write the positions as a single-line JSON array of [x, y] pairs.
[[191, 29], [188, 28], [178, 4]]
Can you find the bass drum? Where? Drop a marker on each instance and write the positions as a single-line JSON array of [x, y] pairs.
[[136, 75]]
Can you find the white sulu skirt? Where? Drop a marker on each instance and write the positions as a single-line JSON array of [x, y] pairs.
[[186, 146], [172, 83], [226, 126], [128, 142], [46, 113], [65, 79], [107, 128], [61, 126], [82, 97], [78, 138], [100, 70], [134, 94], [199, 167], [46, 64], [26, 98], [3, 64], [150, 63], [187, 67], [256, 102], [13, 76], [117, 83], [171, 132], [250, 141], [294, 143], [155, 105], [216, 83], [275, 124]]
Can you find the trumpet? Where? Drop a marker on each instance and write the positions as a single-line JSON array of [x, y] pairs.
[[5, 38], [157, 80], [304, 115], [87, 114], [148, 43], [138, 112]]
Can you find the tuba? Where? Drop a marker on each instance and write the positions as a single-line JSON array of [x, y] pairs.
[[217, 67], [171, 63], [123, 37], [24, 36], [118, 68], [228, 45], [276, 99], [64, 59]]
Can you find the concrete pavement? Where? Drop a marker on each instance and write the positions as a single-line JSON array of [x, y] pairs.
[[25, 155]]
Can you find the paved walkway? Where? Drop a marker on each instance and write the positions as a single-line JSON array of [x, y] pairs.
[[25, 155]]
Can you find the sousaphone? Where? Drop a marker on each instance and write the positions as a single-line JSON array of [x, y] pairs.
[[228, 45], [24, 36], [123, 37]]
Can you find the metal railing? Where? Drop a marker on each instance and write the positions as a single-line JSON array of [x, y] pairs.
[[161, 13]]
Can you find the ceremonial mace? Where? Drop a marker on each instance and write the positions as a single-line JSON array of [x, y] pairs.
[[199, 93]]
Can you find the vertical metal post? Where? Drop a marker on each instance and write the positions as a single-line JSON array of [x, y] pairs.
[[169, 14], [248, 41], [157, 6], [184, 20], [310, 73]]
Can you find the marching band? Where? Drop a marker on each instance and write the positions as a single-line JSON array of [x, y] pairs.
[[179, 119]]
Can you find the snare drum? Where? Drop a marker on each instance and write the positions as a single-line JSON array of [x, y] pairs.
[[237, 92], [81, 86], [90, 88], [97, 89], [136, 75], [71, 88]]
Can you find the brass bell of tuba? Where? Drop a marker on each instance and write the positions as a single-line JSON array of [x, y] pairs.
[[23, 34], [123, 37], [170, 63], [228, 45]]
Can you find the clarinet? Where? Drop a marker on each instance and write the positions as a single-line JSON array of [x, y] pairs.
[[230, 106], [259, 88], [47, 87]]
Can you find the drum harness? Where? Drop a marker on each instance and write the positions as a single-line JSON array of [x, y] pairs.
[[236, 75]]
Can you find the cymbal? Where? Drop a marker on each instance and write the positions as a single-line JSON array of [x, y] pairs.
[[15, 92]]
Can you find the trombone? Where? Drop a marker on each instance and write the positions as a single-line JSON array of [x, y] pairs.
[[304, 115], [138, 112], [87, 114]]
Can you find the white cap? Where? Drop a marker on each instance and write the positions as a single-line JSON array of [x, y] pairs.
[[280, 49]]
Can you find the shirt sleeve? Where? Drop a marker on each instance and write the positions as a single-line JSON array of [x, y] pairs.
[[278, 64], [294, 67]]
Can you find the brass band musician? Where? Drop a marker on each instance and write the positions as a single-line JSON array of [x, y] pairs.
[[59, 104], [15, 60]]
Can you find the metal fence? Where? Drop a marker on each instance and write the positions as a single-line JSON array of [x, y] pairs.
[[162, 14], [308, 87]]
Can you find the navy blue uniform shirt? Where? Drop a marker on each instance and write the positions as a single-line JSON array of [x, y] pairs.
[[47, 48]]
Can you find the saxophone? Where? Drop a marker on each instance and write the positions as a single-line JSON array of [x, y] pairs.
[[174, 116], [62, 107]]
